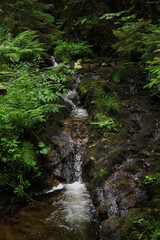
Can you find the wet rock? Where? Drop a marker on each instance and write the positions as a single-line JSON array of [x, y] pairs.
[[58, 172], [127, 224], [64, 145], [108, 229], [53, 158]]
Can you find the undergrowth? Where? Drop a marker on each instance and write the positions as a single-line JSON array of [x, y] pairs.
[[31, 98]]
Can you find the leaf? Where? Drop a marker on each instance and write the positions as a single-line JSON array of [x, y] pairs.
[[45, 150], [83, 20], [41, 144], [19, 191], [28, 154], [14, 56]]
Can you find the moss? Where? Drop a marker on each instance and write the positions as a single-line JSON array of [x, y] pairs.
[[93, 162], [140, 223], [100, 159], [131, 225], [96, 181], [155, 203], [156, 146], [105, 72]]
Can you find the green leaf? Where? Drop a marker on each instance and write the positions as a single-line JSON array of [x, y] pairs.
[[45, 150], [41, 144], [19, 191], [14, 56]]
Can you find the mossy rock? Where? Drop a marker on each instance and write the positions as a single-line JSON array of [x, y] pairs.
[[99, 161], [91, 166], [155, 203], [108, 228], [130, 225]]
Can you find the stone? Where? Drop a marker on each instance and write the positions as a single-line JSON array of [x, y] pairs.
[[58, 171], [53, 158], [64, 145], [108, 228]]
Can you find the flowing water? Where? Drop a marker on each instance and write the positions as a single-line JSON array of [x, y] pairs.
[[64, 212]]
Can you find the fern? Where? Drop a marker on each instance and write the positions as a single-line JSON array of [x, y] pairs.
[[156, 234], [31, 99], [23, 46], [104, 122], [28, 154]]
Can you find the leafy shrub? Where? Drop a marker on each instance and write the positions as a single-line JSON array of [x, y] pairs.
[[130, 37], [145, 229], [140, 39], [70, 50], [152, 53], [24, 46], [31, 98]]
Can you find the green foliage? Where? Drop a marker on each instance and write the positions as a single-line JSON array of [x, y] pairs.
[[28, 154], [104, 105], [149, 180], [152, 178], [100, 99], [70, 50], [24, 46], [18, 16], [130, 37], [112, 103], [143, 8], [101, 172], [140, 224], [107, 102], [44, 149], [145, 229], [104, 124], [109, 16], [18, 159], [152, 51], [140, 40], [31, 99]]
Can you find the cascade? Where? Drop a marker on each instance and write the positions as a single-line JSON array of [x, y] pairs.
[[76, 207], [53, 61]]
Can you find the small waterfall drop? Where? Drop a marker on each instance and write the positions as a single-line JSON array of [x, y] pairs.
[[54, 63]]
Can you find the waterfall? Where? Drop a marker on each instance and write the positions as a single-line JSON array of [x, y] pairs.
[[54, 63]]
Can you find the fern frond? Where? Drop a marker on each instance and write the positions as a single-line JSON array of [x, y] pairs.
[[28, 154]]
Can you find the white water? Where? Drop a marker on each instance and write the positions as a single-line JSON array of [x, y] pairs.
[[59, 187], [72, 98], [77, 204], [54, 63]]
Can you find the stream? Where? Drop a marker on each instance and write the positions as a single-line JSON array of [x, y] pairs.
[[64, 212]]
